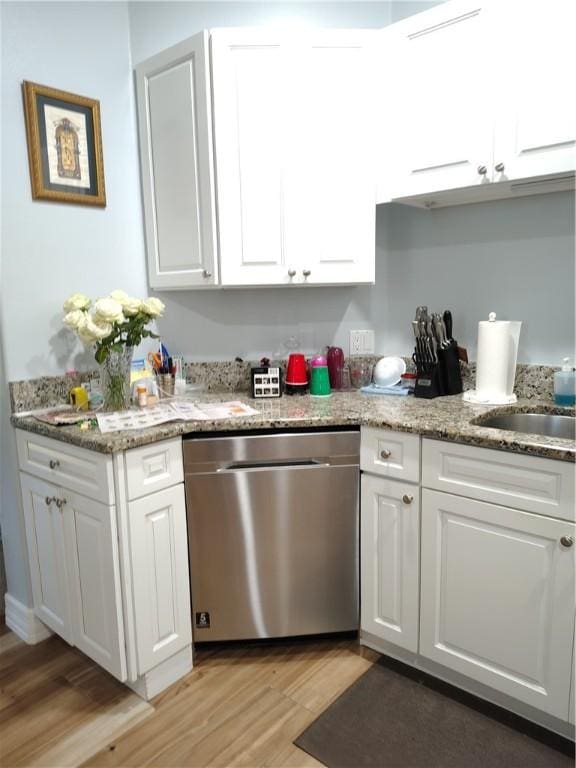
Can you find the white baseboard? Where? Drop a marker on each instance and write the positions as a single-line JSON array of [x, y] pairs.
[[164, 675], [23, 621]]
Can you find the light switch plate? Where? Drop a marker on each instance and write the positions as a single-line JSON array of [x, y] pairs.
[[361, 342]]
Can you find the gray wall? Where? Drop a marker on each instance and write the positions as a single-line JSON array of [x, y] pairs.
[[156, 25], [508, 256], [51, 249], [513, 257]]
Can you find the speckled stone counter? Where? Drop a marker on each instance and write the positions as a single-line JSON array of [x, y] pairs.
[[445, 418]]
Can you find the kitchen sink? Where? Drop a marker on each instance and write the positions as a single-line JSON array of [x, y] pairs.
[[547, 424]]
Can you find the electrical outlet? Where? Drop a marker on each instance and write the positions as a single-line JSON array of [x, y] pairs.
[[361, 342]]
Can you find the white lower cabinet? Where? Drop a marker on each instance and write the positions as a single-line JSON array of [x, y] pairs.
[[94, 571], [159, 559], [389, 557], [497, 601], [75, 570], [470, 575], [112, 578], [46, 549]]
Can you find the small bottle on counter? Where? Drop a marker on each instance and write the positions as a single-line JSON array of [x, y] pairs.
[[142, 395], [565, 384]]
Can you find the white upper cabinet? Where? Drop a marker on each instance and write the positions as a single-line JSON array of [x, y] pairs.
[[175, 125], [535, 132], [330, 178], [442, 132], [482, 101], [250, 134], [294, 157], [286, 193]]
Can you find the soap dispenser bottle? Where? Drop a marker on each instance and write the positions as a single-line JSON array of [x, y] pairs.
[[565, 384]]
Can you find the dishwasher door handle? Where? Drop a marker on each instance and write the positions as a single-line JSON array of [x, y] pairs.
[[241, 466]]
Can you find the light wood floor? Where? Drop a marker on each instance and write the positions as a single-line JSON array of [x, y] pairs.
[[242, 705]]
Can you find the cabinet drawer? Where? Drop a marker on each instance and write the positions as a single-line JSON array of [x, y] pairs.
[[154, 467], [391, 454], [78, 469], [529, 483]]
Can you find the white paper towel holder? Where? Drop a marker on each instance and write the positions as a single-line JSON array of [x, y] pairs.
[[473, 396]]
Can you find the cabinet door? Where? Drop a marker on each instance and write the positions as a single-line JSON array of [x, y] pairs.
[[92, 555], [330, 187], [159, 555], [175, 126], [250, 108], [536, 128], [389, 557], [497, 598], [46, 548], [442, 100]]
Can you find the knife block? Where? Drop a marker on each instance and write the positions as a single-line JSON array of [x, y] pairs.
[[450, 370], [428, 381], [441, 378]]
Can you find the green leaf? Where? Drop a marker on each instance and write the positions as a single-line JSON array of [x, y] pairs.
[[101, 354]]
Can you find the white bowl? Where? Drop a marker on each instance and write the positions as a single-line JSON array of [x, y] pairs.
[[388, 371]]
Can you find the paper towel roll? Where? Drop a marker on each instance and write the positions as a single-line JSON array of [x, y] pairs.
[[496, 359]]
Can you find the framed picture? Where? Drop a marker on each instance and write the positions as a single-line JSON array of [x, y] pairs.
[[64, 146]]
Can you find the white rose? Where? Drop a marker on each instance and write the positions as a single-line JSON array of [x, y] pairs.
[[119, 296], [74, 319], [85, 334], [98, 328], [130, 305], [76, 301], [108, 311], [153, 307]]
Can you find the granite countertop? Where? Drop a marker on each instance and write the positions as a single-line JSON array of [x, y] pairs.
[[444, 418]]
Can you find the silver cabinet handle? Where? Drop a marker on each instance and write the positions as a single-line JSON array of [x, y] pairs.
[[567, 541], [306, 272], [53, 463], [385, 454], [291, 273], [48, 500], [60, 503], [482, 170], [407, 499], [499, 167], [206, 273]]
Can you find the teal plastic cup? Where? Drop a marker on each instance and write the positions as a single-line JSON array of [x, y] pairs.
[[319, 381]]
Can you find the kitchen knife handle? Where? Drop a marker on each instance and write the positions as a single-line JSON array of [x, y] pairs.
[[447, 317]]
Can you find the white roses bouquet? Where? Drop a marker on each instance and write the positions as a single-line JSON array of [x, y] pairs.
[[113, 322]]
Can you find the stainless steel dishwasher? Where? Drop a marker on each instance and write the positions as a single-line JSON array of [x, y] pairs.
[[273, 534]]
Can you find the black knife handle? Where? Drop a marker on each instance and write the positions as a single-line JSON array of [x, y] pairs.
[[447, 317]]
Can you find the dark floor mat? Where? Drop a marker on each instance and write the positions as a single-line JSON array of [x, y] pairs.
[[394, 717]]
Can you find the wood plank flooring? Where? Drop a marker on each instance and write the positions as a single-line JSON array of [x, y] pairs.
[[242, 705]]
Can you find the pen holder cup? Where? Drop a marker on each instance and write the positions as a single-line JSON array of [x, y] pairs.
[[165, 385]]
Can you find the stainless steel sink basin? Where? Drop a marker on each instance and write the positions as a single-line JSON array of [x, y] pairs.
[[549, 425]]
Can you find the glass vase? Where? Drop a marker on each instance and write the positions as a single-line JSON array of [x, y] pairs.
[[115, 379]]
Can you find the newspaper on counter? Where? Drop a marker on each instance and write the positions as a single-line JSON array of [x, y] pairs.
[[177, 410]]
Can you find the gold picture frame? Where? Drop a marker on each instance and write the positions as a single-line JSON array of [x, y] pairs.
[[64, 146]]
